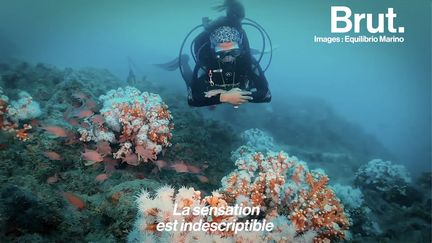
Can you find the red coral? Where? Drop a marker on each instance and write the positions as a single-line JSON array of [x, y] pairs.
[[145, 154], [317, 208]]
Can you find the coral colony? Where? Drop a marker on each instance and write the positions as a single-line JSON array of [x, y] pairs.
[[295, 205], [21, 110], [139, 122], [269, 197]]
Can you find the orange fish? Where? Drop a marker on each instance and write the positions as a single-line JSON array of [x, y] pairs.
[[161, 164], [84, 114], [90, 104], [101, 177], [131, 159], [180, 167], [55, 130], [103, 148], [91, 156], [145, 153], [194, 169], [77, 202], [98, 119], [84, 125], [203, 179], [73, 122], [52, 155]]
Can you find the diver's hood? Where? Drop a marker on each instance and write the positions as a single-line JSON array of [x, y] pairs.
[[200, 47]]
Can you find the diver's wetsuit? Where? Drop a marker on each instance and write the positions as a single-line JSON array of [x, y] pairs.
[[232, 76], [245, 73]]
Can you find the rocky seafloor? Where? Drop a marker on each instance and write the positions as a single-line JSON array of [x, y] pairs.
[[33, 186]]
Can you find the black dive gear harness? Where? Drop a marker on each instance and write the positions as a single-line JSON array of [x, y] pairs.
[[227, 75], [196, 53]]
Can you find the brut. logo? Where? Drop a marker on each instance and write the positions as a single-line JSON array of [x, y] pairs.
[[342, 14]]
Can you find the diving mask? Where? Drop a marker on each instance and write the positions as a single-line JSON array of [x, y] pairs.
[[227, 49]]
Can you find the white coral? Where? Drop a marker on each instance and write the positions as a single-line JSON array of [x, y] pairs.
[[351, 197], [383, 175], [258, 140], [24, 108]]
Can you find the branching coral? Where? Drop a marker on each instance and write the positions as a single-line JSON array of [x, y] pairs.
[[139, 122], [153, 210], [25, 108], [296, 200], [277, 182], [11, 113], [316, 208]]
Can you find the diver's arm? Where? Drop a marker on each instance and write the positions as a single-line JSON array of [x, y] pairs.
[[197, 96], [259, 81]]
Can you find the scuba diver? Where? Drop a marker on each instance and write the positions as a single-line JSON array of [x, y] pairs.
[[131, 78], [225, 70]]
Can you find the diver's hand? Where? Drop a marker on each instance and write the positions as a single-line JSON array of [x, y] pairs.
[[235, 96], [214, 92]]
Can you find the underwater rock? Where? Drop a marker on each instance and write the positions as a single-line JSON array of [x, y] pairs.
[[388, 187], [425, 181], [311, 124], [4, 67], [10, 79], [410, 196], [98, 81], [24, 212], [116, 206], [390, 196], [258, 140], [363, 223], [30, 78], [383, 176]]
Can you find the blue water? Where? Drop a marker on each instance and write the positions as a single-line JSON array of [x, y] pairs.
[[336, 106], [385, 88]]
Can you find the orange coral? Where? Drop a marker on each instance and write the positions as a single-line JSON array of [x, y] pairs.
[[309, 203], [152, 212], [317, 208], [163, 113], [264, 181], [152, 227], [297, 173], [22, 134]]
